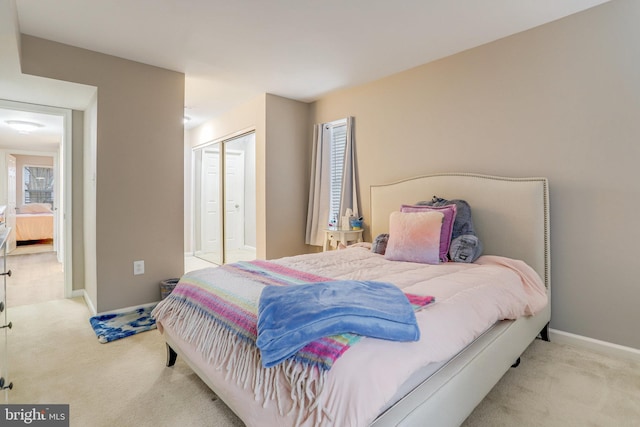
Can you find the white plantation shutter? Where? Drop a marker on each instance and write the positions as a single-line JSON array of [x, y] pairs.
[[350, 195], [338, 147]]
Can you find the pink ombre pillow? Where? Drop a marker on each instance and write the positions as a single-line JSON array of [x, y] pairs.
[[414, 237], [449, 212]]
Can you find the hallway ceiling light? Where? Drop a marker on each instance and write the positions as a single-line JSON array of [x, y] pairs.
[[22, 126]]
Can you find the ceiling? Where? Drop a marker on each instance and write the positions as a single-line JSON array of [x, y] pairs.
[[45, 138], [233, 50]]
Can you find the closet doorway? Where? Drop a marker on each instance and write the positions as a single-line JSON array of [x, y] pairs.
[[225, 199]]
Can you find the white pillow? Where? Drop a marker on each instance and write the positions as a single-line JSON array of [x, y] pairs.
[[36, 208]]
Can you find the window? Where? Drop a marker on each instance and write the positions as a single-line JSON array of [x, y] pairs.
[[38, 184], [338, 138], [333, 178]]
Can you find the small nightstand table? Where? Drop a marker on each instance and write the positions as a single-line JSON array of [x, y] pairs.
[[345, 237]]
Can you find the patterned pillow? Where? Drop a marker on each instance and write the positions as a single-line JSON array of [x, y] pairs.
[[449, 212], [379, 245], [465, 244], [414, 237]]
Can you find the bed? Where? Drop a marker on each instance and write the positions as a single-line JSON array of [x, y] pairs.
[[34, 221], [383, 383]]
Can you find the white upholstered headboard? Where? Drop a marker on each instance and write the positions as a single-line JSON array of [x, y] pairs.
[[510, 215]]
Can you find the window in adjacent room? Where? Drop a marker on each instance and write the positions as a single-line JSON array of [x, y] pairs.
[[38, 184], [338, 138]]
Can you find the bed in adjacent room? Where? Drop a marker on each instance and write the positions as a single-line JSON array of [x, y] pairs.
[[34, 221], [474, 319]]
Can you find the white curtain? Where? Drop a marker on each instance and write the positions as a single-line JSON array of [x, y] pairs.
[[320, 185], [319, 191]]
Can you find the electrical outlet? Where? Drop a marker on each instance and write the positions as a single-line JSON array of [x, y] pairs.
[[138, 267]]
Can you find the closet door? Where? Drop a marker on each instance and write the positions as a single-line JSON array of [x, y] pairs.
[[208, 206], [240, 199], [224, 206]]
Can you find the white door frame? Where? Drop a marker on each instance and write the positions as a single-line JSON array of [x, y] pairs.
[[62, 161], [12, 201]]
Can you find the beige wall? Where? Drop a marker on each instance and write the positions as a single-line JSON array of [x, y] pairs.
[[287, 166], [139, 167], [282, 149], [560, 101]]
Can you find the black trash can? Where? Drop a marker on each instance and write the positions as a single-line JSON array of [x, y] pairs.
[[166, 286]]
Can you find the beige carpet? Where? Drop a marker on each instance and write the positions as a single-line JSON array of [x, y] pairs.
[[55, 357], [34, 248], [563, 386], [35, 278]]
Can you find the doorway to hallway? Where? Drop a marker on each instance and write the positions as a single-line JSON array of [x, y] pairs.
[[36, 189]]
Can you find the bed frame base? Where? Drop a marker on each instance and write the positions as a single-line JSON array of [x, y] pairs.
[[448, 396], [544, 333], [172, 356]]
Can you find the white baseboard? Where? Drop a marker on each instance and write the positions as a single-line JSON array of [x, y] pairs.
[[132, 308], [602, 347], [83, 293], [78, 293]]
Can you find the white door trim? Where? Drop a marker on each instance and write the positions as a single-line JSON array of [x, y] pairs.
[[64, 176]]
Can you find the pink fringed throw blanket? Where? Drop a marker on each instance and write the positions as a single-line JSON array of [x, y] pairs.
[[216, 310]]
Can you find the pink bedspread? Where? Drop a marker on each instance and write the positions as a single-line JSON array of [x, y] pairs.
[[38, 226], [469, 299]]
